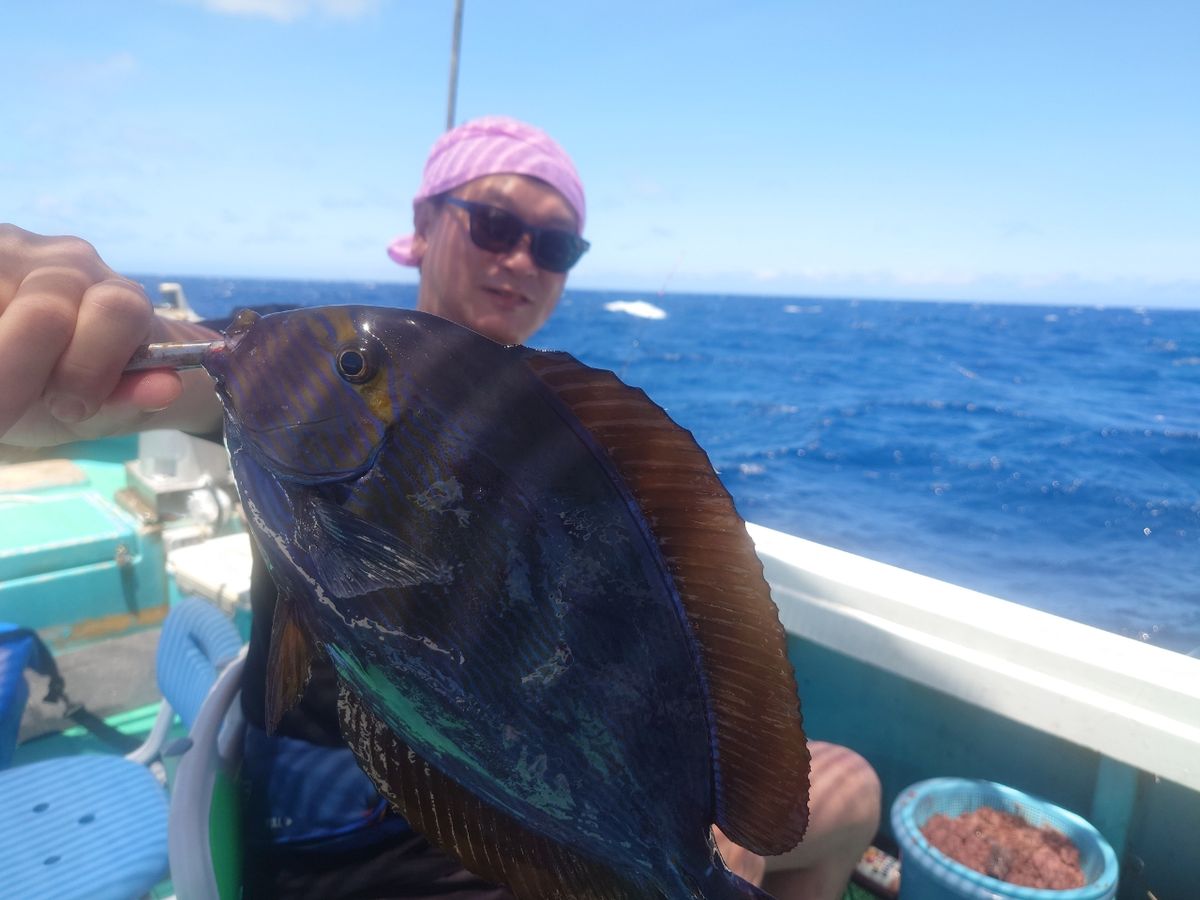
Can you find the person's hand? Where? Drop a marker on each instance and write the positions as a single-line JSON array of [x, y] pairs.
[[741, 862], [68, 325]]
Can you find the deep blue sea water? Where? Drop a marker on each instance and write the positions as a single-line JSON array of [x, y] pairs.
[[1047, 455]]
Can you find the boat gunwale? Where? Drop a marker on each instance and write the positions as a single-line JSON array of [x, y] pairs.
[[1132, 702]]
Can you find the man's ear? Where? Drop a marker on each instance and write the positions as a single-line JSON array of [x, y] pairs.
[[424, 214]]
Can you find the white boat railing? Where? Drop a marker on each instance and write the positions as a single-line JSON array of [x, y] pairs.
[[1132, 702]]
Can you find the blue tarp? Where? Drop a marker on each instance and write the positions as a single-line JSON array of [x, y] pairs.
[[20, 648]]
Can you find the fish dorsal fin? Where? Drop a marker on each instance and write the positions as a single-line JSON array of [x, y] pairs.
[[290, 662], [761, 756], [487, 841]]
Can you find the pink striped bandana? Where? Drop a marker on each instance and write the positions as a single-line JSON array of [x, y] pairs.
[[492, 145]]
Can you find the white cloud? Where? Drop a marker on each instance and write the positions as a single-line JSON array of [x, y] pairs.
[[290, 10]]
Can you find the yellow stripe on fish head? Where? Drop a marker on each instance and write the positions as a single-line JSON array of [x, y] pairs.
[[374, 389]]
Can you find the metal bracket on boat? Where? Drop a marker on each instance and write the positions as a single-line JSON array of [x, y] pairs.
[[125, 566]]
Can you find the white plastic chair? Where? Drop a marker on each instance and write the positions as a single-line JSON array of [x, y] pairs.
[[204, 826]]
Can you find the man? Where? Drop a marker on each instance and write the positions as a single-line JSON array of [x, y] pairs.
[[498, 222]]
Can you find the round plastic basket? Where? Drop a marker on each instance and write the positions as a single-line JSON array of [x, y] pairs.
[[928, 874]]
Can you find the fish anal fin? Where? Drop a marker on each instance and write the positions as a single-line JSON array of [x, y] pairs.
[[487, 841], [761, 754], [290, 662]]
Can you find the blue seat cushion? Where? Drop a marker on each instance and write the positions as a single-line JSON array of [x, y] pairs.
[[82, 827], [197, 641]]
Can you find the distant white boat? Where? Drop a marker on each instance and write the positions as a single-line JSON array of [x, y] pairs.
[[173, 303], [640, 308]]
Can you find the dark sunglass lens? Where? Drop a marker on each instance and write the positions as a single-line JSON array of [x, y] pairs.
[[556, 251], [494, 229]]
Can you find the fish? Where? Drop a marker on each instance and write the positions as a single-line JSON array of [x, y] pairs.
[[556, 652]]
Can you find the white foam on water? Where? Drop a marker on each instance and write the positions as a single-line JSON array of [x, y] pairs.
[[639, 308]]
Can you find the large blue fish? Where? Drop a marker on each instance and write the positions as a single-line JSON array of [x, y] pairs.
[[557, 653]]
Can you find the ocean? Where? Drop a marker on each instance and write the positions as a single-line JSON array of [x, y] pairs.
[[1046, 455]]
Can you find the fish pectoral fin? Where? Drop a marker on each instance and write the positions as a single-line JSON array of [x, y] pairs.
[[358, 557], [290, 663], [487, 841]]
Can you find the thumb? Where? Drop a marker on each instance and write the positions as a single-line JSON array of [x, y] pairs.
[[148, 391]]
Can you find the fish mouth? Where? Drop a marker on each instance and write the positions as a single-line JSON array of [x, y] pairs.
[[216, 359], [241, 325]]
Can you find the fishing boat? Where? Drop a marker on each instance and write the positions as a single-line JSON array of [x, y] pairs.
[[173, 303], [100, 540], [924, 678]]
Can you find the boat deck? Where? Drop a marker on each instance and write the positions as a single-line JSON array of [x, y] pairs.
[[112, 678]]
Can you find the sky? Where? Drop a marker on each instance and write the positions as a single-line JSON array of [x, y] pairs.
[[1045, 151]]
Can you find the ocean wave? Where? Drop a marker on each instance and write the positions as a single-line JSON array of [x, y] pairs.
[[641, 309]]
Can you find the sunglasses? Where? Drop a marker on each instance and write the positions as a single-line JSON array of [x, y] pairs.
[[497, 230]]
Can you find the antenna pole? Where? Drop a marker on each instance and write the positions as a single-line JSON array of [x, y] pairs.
[[454, 47]]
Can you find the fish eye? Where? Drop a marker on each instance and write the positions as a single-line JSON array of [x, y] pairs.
[[354, 364]]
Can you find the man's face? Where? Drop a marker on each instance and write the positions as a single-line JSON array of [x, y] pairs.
[[505, 295]]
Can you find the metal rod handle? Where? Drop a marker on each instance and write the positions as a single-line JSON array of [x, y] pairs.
[[173, 355]]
